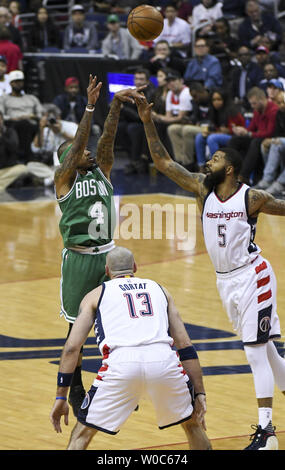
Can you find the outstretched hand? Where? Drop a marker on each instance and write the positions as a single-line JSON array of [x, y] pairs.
[[144, 109], [60, 408], [93, 90], [130, 95]]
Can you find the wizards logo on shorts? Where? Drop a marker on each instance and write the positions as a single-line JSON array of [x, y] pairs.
[[264, 324], [85, 402]]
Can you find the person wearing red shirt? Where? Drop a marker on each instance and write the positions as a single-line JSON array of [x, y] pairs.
[[248, 140], [11, 51]]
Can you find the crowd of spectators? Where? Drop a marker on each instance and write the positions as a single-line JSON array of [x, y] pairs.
[[220, 80]]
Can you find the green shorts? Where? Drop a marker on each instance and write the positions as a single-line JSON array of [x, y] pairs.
[[80, 273]]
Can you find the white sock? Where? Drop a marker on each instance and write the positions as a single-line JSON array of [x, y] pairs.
[[265, 416]]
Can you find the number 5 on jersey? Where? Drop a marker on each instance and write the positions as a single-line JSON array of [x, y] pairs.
[[221, 233]]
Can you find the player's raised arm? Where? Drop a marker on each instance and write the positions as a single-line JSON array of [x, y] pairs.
[[73, 150], [261, 201], [192, 182], [105, 148]]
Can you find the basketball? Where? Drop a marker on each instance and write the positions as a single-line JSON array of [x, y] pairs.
[[145, 23]]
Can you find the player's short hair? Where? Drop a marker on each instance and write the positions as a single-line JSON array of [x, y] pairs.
[[120, 260], [256, 92], [233, 157]]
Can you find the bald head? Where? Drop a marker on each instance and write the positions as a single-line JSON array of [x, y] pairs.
[[120, 261]]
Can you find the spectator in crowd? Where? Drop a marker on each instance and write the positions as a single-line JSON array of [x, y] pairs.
[[53, 131], [204, 67], [263, 57], [119, 41], [184, 9], [248, 141], [206, 11], [10, 169], [72, 106], [244, 76], [131, 135], [15, 10], [5, 87], [273, 89], [159, 107], [223, 116], [257, 24], [234, 8], [10, 50], [187, 114], [176, 31], [15, 34], [43, 33], [223, 45], [80, 34], [270, 72], [22, 112], [273, 152], [165, 57]]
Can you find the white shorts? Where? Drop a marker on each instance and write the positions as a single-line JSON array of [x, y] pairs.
[[126, 376], [249, 297]]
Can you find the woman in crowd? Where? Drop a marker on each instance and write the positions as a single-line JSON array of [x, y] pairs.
[[223, 116], [44, 33]]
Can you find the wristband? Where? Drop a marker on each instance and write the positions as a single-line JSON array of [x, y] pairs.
[[187, 353], [61, 398], [64, 380], [199, 393], [90, 108]]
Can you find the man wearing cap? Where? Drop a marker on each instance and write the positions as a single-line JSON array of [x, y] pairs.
[[263, 57], [274, 87], [5, 87], [80, 33], [119, 41], [72, 106], [71, 103], [22, 112]]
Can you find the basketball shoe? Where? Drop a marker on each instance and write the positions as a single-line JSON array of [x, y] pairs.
[[263, 439]]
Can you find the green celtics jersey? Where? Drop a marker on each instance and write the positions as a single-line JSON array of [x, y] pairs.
[[88, 211]]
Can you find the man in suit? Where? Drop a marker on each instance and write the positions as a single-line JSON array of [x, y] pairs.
[[244, 77]]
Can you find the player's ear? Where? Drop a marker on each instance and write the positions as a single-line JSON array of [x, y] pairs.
[[135, 268], [107, 271]]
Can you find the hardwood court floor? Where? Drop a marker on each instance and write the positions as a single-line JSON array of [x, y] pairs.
[[32, 334]]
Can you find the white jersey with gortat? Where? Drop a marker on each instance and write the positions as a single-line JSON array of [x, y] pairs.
[[229, 231], [131, 312]]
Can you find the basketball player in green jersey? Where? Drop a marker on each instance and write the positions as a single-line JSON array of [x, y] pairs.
[[85, 196]]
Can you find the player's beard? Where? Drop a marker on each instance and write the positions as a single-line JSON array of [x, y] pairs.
[[214, 178]]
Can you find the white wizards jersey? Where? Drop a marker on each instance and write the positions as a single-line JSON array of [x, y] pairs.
[[131, 312], [229, 231]]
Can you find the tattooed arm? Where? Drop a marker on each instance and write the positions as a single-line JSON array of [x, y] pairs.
[[65, 174], [105, 149], [192, 182], [261, 201]]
